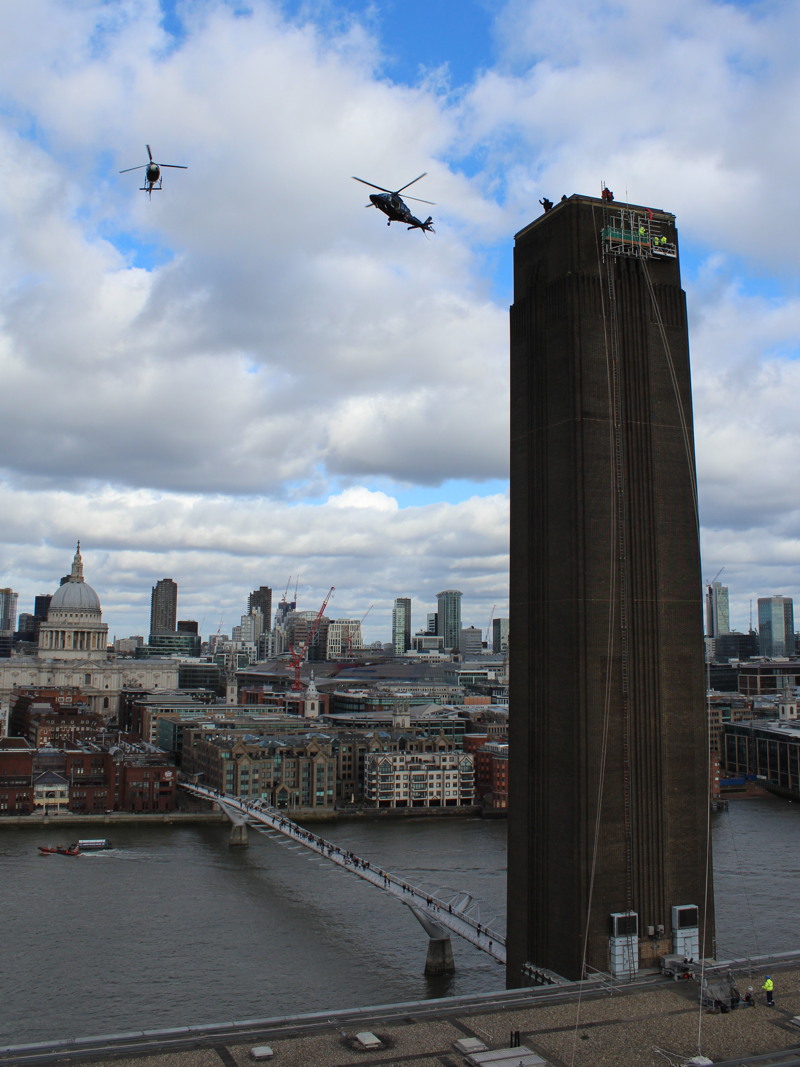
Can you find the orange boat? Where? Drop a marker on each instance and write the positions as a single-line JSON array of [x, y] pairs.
[[61, 850]]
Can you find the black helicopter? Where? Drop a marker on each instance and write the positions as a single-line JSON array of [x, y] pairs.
[[152, 175], [393, 206]]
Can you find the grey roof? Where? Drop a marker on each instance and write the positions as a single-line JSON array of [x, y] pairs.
[[75, 596]]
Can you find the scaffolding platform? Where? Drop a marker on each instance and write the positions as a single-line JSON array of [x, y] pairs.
[[630, 232]]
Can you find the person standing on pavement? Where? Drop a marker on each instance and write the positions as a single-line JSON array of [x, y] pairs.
[[768, 988]]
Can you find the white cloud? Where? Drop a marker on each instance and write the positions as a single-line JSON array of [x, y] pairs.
[[288, 345], [359, 497], [218, 548]]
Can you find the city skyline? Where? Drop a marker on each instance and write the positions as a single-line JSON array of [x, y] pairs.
[[250, 376], [166, 593], [419, 611]]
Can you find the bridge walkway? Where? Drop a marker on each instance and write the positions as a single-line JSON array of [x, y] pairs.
[[430, 910]]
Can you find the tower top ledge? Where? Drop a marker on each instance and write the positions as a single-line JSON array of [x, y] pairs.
[[606, 205]]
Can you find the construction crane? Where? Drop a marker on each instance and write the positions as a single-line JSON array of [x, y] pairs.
[[351, 627], [298, 655], [489, 627], [719, 572]]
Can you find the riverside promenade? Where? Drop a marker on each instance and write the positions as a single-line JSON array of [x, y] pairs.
[[111, 818], [651, 1022]]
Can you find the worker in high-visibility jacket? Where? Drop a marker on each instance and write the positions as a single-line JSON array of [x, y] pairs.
[[768, 988]]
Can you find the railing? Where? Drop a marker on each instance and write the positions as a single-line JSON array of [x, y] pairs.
[[452, 914]]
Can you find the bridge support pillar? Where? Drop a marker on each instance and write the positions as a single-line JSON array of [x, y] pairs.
[[440, 957], [440, 952], [238, 835]]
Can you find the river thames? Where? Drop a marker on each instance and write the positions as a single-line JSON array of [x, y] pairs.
[[174, 928]]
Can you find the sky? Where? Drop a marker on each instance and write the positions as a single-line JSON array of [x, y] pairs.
[[249, 380]]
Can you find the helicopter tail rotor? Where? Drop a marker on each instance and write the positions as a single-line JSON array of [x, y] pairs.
[[425, 226]]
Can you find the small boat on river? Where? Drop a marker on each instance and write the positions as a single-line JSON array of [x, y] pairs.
[[61, 850], [98, 844]]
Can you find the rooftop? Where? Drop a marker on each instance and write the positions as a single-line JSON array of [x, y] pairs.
[[652, 1022]]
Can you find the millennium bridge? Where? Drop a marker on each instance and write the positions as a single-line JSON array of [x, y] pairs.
[[438, 916]]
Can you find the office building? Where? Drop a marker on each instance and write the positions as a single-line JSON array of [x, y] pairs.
[[8, 609], [41, 606], [734, 645], [499, 635], [776, 627], [401, 625], [470, 641], [718, 617], [174, 645], [448, 618], [163, 607], [343, 638], [608, 790]]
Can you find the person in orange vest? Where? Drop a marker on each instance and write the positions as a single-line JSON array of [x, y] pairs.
[[768, 988]]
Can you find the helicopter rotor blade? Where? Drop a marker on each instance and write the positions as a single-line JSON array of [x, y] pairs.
[[372, 185], [431, 202], [147, 146], [176, 166], [411, 183], [140, 167]]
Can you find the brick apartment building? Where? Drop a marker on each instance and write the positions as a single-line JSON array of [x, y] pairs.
[[83, 778]]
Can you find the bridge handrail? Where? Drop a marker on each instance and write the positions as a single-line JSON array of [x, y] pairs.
[[453, 919]]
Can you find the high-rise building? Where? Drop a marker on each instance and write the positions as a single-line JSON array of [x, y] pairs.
[[448, 618], [776, 626], [261, 598], [163, 607], [718, 616], [610, 864], [401, 625], [250, 628], [41, 606], [8, 609], [343, 638], [499, 635], [280, 632], [470, 640]]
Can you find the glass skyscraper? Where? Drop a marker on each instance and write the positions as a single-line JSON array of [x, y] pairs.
[[448, 624], [401, 625], [776, 626], [718, 616]]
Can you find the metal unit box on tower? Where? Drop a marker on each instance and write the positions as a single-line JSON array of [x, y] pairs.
[[623, 945], [686, 931]]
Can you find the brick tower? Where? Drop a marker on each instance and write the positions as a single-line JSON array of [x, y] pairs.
[[609, 797]]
